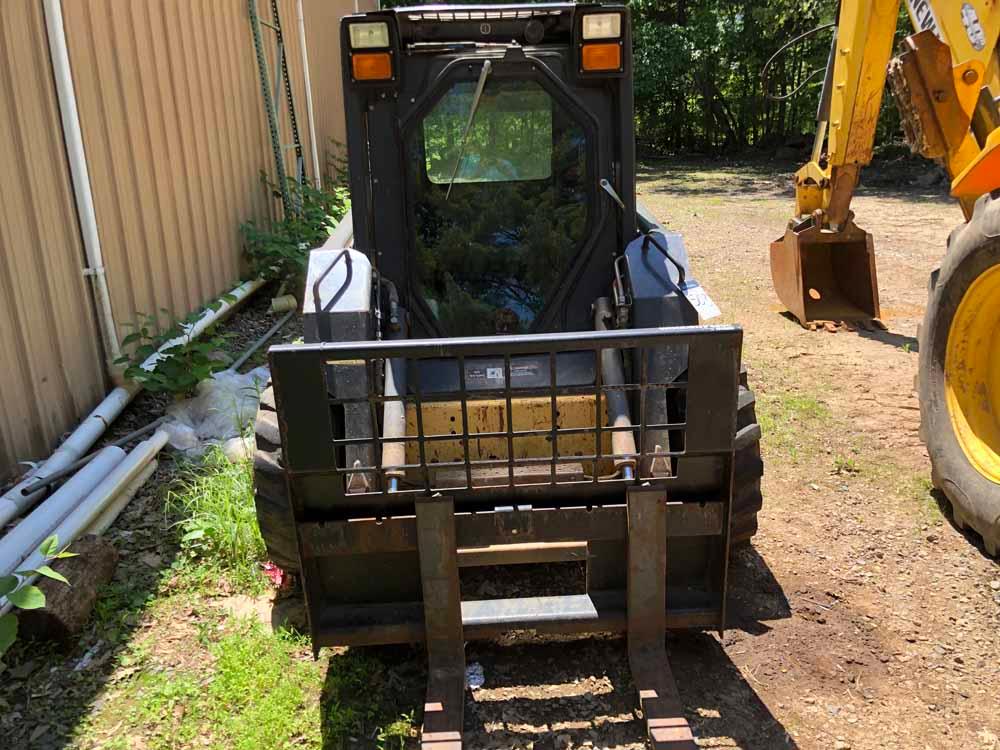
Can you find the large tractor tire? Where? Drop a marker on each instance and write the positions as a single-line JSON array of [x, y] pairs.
[[960, 374], [747, 499], [274, 513]]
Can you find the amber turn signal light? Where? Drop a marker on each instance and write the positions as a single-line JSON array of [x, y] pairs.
[[371, 66], [604, 56]]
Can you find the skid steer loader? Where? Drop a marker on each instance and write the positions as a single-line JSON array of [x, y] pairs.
[[508, 366]]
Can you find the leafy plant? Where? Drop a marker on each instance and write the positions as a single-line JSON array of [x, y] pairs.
[[184, 362], [24, 595], [279, 250]]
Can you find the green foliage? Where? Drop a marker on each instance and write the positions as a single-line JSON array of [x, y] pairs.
[[25, 596], [254, 690], [279, 250], [179, 368], [219, 522], [698, 67]]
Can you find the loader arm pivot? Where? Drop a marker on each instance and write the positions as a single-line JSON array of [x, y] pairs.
[[824, 266]]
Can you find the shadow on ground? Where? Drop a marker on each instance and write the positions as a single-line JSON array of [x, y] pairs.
[[49, 691], [542, 691]]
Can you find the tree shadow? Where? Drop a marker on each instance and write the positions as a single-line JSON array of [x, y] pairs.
[[49, 689], [541, 694]]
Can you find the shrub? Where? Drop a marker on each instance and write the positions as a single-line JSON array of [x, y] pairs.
[[280, 250], [180, 367]]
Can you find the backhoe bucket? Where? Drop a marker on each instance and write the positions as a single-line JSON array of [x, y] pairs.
[[826, 276]]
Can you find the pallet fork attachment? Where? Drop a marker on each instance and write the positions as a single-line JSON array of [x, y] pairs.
[[666, 727], [382, 565]]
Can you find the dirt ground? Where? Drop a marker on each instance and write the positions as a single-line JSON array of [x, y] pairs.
[[861, 618]]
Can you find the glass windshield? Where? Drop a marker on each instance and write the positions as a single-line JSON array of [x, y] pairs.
[[490, 254]]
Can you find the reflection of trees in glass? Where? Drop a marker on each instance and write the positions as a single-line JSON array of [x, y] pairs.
[[489, 256], [510, 138]]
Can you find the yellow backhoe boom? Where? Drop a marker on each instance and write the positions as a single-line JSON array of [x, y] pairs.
[[946, 81]]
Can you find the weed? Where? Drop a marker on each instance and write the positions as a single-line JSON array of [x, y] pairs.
[[180, 362], [395, 735], [218, 521], [280, 249], [789, 422], [259, 692], [842, 465], [907, 347]]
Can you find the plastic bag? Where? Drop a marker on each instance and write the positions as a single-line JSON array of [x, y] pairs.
[[226, 403]]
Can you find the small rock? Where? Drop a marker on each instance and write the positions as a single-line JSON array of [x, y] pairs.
[[154, 561], [563, 742], [239, 449], [995, 585], [841, 745]]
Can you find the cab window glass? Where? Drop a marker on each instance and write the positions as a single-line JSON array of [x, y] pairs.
[[492, 245]]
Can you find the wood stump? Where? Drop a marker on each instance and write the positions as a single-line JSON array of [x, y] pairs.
[[68, 608]]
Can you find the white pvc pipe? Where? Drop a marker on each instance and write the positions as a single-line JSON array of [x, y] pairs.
[[106, 516], [80, 176], [23, 539], [13, 503], [342, 235], [310, 117], [114, 509]]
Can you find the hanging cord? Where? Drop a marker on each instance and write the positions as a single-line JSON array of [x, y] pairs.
[[781, 50]]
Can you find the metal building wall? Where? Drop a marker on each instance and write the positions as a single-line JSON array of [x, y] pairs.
[[173, 122], [50, 359], [174, 129], [323, 41]]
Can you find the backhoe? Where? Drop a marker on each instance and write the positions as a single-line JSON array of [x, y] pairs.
[[946, 81]]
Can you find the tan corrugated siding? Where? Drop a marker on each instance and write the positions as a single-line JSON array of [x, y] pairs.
[[51, 369], [173, 124], [323, 40]]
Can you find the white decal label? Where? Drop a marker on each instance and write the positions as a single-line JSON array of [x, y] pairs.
[[922, 16], [698, 297], [973, 27], [494, 373]]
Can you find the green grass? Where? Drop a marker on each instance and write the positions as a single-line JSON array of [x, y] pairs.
[[253, 690], [244, 687], [790, 423], [218, 525]]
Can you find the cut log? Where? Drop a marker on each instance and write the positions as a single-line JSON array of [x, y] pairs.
[[68, 608]]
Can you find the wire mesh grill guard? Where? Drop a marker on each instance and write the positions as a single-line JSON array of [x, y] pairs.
[[325, 391]]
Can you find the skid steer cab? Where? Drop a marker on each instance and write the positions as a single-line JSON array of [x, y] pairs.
[[508, 367]]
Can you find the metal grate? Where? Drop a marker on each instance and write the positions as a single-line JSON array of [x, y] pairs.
[[525, 411]]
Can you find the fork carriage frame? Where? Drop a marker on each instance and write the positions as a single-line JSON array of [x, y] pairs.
[[382, 566]]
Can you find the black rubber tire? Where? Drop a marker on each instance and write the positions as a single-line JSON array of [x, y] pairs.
[[973, 248], [274, 512], [747, 498]]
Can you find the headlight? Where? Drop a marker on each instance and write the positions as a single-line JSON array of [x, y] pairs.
[[602, 26], [369, 35]]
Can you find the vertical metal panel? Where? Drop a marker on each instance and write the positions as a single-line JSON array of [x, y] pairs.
[[323, 39], [157, 84], [51, 370]]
